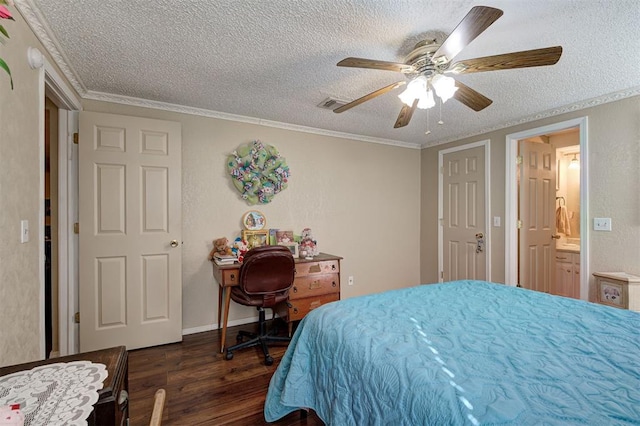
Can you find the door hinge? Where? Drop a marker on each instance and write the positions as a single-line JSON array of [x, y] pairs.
[[441, 170], [442, 275], [76, 318], [519, 159], [76, 228], [76, 138], [519, 224]]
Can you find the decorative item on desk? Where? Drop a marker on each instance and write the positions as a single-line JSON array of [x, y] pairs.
[[308, 244], [253, 220], [256, 238], [272, 237], [239, 248], [293, 248], [285, 237], [258, 172], [221, 247]]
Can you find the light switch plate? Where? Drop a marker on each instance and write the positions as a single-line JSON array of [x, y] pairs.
[[24, 231], [602, 224]]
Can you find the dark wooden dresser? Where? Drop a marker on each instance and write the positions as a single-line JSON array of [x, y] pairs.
[[112, 407]]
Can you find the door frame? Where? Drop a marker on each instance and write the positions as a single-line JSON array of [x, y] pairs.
[[52, 85], [511, 199], [487, 202]]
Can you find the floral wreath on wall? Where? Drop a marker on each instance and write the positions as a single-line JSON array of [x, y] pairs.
[[258, 171]]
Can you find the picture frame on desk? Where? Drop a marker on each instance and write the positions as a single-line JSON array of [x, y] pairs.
[[293, 248], [256, 238]]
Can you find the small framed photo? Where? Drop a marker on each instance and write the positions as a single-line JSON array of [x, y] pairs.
[[253, 220], [293, 248], [284, 237], [256, 238], [611, 293]]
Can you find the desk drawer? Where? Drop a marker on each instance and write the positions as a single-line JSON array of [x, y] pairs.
[[314, 285], [301, 307], [230, 277], [315, 268]]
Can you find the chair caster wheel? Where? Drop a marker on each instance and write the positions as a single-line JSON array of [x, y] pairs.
[[268, 360], [228, 356]]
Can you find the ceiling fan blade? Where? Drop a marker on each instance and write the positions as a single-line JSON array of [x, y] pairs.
[[477, 20], [471, 98], [524, 59], [377, 65], [369, 96], [405, 115]]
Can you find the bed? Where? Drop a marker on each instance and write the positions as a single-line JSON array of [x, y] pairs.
[[465, 352]]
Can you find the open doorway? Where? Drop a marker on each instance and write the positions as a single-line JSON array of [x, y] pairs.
[[50, 224], [561, 131], [56, 95]]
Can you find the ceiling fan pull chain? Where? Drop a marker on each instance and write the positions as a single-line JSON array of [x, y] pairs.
[[440, 121], [428, 131]]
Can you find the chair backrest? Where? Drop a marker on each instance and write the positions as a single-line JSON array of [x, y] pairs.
[[267, 269], [158, 407]]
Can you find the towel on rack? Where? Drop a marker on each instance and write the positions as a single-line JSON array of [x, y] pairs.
[[562, 221]]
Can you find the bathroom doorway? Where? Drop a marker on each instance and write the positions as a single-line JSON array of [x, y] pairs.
[[568, 137]]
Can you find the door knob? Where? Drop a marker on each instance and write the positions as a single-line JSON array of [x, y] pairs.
[[174, 243], [555, 237], [479, 242]]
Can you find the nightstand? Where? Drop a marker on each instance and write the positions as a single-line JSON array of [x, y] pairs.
[[618, 289]]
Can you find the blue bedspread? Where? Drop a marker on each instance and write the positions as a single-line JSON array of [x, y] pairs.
[[467, 352]]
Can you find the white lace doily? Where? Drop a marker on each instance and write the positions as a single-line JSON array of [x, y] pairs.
[[55, 394]]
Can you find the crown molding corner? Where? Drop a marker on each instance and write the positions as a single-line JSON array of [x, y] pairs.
[[42, 31]]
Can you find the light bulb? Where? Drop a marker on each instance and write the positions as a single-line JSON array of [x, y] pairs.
[[415, 90], [444, 86]]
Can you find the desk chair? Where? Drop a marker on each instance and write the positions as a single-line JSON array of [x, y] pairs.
[[266, 275]]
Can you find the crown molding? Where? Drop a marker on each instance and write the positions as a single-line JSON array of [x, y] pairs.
[[41, 29], [577, 106], [146, 103]]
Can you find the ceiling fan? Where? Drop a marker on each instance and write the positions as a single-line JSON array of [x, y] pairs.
[[426, 65]]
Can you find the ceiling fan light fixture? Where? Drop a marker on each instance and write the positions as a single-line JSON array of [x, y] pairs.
[[416, 89], [426, 100], [444, 86]]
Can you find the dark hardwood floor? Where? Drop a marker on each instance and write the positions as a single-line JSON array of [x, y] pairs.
[[202, 387]]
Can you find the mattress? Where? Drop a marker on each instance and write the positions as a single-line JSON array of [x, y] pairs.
[[464, 352]]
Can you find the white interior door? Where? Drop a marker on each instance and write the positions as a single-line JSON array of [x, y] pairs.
[[537, 248], [463, 215], [130, 213]]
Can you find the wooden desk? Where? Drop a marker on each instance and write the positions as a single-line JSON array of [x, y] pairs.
[[317, 282], [112, 407]]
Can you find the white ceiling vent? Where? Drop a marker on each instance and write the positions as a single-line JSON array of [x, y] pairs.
[[332, 103]]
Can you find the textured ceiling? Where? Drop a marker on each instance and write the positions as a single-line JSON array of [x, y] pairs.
[[275, 60]]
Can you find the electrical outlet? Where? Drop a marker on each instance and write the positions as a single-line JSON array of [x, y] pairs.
[[602, 224], [351, 280]]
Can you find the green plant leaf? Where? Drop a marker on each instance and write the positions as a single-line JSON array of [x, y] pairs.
[[3, 31], [5, 67]]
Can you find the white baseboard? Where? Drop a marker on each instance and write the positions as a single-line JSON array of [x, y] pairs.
[[211, 327]]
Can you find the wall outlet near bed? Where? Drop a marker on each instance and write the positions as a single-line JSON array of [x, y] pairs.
[[351, 280]]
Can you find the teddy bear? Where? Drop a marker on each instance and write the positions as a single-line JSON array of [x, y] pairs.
[[220, 246]]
